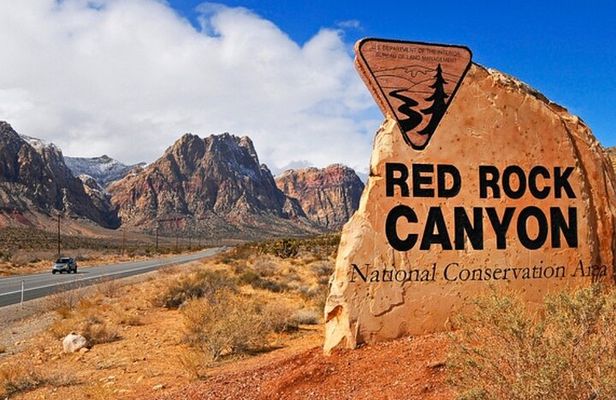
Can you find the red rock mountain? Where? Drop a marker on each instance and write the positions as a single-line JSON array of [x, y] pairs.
[[328, 196], [611, 152], [210, 188], [35, 181]]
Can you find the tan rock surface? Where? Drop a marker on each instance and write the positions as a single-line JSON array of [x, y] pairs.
[[494, 120], [611, 152]]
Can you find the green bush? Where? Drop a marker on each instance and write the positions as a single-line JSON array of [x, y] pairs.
[[565, 350], [319, 247]]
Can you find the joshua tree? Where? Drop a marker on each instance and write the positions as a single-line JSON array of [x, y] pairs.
[[439, 104]]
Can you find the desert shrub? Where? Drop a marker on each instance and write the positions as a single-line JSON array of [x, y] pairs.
[[93, 328], [252, 278], [265, 267], [269, 284], [64, 302], [248, 277], [97, 332], [566, 350], [129, 320], [306, 316], [5, 256], [16, 379], [286, 248], [193, 363], [310, 248], [278, 316], [316, 295], [109, 288], [323, 269], [239, 266], [60, 328], [282, 248], [195, 285], [223, 324], [20, 378]]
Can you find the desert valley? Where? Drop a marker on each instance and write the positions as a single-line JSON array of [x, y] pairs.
[[307, 201]]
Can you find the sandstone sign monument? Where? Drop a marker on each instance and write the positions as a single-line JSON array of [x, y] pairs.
[[476, 181]]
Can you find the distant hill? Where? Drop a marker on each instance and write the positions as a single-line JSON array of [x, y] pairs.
[[328, 196], [212, 187], [35, 181], [103, 169]]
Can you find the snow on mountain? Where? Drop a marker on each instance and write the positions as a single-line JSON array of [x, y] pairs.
[[38, 144], [103, 169]]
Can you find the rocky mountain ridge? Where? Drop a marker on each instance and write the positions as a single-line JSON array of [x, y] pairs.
[[35, 180], [209, 187], [328, 196], [213, 187], [103, 169]]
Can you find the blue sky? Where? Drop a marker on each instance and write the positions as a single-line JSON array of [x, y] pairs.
[[565, 49], [97, 76]]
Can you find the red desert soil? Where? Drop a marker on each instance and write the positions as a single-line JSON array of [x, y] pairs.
[[410, 368]]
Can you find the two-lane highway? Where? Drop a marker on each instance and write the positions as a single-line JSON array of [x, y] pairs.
[[43, 284]]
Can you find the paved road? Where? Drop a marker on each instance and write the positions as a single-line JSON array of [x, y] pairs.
[[43, 284]]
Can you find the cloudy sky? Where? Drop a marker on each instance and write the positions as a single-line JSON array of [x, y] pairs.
[[127, 78]]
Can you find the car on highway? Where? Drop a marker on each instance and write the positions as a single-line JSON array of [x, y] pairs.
[[64, 264]]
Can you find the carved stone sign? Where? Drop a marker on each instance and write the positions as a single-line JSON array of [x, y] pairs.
[[476, 180]]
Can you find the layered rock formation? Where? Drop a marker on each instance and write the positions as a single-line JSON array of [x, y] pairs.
[[103, 169], [34, 179], [328, 196], [404, 272], [100, 198], [209, 187], [611, 152]]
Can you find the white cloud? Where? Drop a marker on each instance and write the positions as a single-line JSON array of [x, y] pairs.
[[127, 78], [350, 24]]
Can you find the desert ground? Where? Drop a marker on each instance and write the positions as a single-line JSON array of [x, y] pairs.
[[248, 324]]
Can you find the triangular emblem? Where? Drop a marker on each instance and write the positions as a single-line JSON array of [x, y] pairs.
[[412, 82]]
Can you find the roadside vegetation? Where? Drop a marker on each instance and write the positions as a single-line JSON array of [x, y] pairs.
[[26, 250], [566, 349], [257, 292], [251, 300]]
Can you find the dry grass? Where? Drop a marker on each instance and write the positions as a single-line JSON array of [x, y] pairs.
[[129, 319], [279, 316], [566, 350], [194, 363], [86, 315], [195, 285], [109, 288], [224, 324], [94, 329], [97, 331], [218, 317], [64, 302], [16, 379], [307, 317]]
